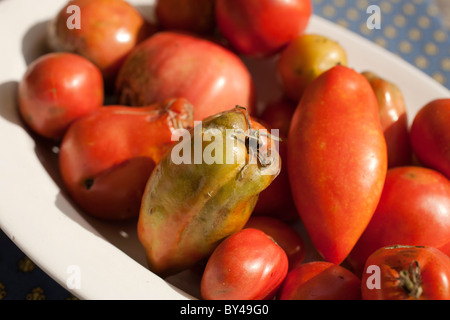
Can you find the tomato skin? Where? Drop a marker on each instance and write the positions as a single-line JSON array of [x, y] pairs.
[[109, 30], [393, 118], [195, 16], [320, 280], [304, 59], [337, 160], [276, 201], [430, 135], [56, 89], [172, 64], [283, 234], [254, 27], [106, 157], [248, 265], [433, 268], [414, 209]]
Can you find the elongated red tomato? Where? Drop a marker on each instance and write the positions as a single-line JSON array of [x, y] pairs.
[[247, 265], [337, 160], [107, 156], [406, 273]]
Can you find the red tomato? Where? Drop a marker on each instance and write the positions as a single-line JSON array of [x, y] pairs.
[[107, 157], [189, 15], [320, 281], [262, 27], [337, 160], [393, 118], [283, 234], [430, 135], [171, 64], [407, 273], [108, 31], [248, 265], [414, 209], [56, 89], [276, 200]]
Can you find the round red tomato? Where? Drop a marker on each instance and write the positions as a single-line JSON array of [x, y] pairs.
[[195, 16], [172, 64], [248, 265], [56, 89], [406, 273], [262, 27], [430, 135], [283, 234], [414, 209], [320, 281], [103, 31]]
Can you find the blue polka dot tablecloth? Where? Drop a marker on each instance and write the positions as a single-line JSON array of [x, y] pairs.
[[413, 29]]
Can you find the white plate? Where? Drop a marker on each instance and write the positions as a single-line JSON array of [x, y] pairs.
[[37, 215]]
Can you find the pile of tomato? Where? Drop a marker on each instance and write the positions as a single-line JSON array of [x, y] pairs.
[[372, 192]]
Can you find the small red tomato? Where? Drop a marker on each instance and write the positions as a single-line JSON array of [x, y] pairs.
[[107, 31], [320, 281], [430, 135], [262, 27], [195, 16], [56, 89], [414, 209], [406, 273], [248, 265], [283, 234]]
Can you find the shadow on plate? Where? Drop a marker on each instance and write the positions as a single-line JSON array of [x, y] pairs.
[[8, 108], [34, 42]]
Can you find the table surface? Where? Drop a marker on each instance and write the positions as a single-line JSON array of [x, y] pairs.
[[416, 30]]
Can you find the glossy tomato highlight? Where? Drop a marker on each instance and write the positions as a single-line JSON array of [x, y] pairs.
[[56, 89]]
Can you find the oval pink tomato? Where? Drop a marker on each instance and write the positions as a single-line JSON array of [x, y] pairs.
[[56, 89], [262, 27], [283, 234], [248, 265], [172, 64]]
